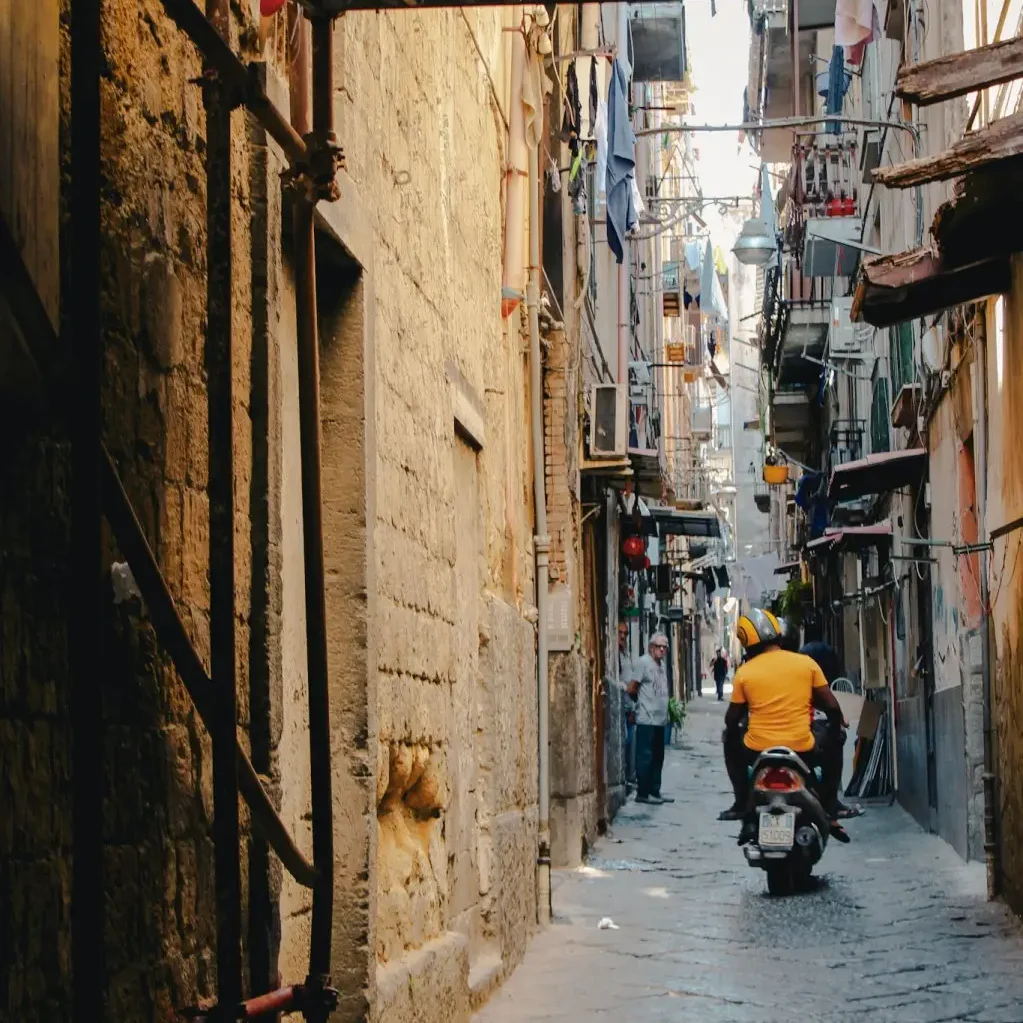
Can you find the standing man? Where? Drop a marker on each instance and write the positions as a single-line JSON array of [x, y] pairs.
[[719, 666], [651, 691], [628, 679]]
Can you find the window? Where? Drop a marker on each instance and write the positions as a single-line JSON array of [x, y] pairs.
[[900, 345], [724, 436], [880, 412]]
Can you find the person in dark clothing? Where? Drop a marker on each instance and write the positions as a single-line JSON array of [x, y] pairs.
[[827, 660], [719, 667], [825, 656]]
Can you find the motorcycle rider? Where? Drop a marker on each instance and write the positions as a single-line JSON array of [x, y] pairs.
[[776, 689]]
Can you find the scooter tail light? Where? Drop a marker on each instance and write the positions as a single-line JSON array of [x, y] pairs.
[[778, 779]]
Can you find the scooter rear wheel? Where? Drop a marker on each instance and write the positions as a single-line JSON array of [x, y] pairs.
[[780, 880]]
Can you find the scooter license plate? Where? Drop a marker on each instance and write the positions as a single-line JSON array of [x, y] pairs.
[[777, 831]]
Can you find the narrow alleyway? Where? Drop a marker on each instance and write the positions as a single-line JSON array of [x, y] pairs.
[[897, 931]]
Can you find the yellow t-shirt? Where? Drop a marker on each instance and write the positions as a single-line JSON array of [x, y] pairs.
[[776, 686]]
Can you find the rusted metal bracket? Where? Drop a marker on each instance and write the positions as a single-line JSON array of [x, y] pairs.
[[236, 76]]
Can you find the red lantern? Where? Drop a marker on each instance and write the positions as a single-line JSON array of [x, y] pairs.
[[634, 547]]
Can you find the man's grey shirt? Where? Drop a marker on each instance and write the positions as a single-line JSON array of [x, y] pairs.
[[653, 692]]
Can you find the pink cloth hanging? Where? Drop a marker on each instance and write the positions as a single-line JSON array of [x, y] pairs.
[[856, 24]]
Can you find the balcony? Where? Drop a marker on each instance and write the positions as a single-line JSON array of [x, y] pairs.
[[762, 497], [658, 37], [790, 417], [703, 423], [645, 437], [671, 296], [770, 90], [797, 317], [846, 437], [825, 221]]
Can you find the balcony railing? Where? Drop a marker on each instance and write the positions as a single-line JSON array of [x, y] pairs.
[[847, 438], [825, 203], [671, 296], [644, 426]]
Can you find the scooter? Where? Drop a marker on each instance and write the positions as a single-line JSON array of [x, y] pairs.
[[786, 830]]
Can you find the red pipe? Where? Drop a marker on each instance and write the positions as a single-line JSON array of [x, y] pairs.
[[286, 999]]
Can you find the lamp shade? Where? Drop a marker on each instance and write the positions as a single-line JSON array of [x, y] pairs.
[[756, 244]]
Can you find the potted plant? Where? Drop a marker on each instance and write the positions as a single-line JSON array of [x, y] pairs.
[[795, 601]]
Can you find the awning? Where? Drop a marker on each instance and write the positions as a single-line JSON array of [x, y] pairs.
[[876, 474], [672, 522], [920, 282], [973, 236], [789, 566], [851, 538]]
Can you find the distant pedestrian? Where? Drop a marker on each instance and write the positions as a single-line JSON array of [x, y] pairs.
[[719, 666], [626, 678], [651, 690]]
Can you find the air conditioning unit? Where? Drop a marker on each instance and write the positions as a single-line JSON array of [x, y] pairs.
[[609, 421], [842, 339]]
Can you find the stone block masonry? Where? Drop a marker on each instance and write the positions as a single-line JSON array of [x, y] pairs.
[[427, 543]]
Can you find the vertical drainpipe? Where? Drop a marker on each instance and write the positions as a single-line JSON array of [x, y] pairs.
[[220, 408], [541, 541], [795, 58], [85, 614], [990, 793], [319, 132]]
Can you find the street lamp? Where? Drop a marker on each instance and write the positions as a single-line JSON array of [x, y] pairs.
[[756, 244]]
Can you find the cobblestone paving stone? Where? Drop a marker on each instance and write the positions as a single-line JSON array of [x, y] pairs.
[[896, 930]]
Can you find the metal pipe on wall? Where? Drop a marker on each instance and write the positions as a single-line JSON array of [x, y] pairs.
[[321, 87], [991, 848], [541, 541], [85, 608], [219, 357]]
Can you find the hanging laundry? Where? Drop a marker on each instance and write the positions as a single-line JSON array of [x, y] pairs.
[[572, 111], [535, 87], [687, 299], [856, 24], [600, 131], [713, 298], [594, 97], [836, 88], [621, 164], [637, 199]]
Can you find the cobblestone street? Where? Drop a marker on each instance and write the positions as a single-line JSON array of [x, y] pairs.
[[897, 929]]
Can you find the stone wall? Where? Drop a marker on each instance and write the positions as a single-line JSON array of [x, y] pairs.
[[427, 540], [1004, 351], [574, 810]]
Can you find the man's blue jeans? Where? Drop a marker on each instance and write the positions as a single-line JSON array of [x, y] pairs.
[[649, 759], [630, 753]]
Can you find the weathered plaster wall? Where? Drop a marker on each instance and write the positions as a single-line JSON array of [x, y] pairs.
[[453, 666], [574, 810], [1005, 503]]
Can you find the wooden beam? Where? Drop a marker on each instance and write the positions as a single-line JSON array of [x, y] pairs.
[[1000, 140], [957, 74]]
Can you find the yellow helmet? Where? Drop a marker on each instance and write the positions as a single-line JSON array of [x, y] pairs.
[[759, 626]]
